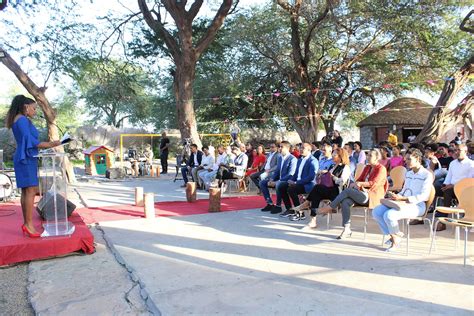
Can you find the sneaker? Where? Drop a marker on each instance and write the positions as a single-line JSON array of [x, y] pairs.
[[295, 217], [298, 216], [267, 208], [276, 209], [287, 213], [416, 222]]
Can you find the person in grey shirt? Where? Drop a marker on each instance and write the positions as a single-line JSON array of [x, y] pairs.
[[270, 166]]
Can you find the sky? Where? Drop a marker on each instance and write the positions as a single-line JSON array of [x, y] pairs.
[[92, 9]]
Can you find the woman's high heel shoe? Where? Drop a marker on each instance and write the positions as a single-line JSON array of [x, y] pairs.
[[28, 233]]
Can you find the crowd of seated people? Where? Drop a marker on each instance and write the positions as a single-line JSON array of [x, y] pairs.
[[326, 171]]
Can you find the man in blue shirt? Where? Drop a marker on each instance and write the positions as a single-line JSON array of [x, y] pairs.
[[285, 170], [325, 161], [302, 181]]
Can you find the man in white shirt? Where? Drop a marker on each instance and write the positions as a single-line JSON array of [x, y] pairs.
[[207, 161], [209, 173], [459, 168]]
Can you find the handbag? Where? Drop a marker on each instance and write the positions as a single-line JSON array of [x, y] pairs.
[[396, 205], [326, 180]]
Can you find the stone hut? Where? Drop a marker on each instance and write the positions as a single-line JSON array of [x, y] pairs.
[[403, 117]]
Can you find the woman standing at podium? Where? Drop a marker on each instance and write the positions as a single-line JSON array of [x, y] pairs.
[[18, 118]]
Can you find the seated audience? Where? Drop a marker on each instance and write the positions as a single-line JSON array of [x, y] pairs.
[[232, 169], [384, 161], [301, 182], [338, 180], [368, 189], [271, 161], [209, 174], [193, 162], [359, 154], [207, 161], [396, 159], [460, 168], [416, 191], [316, 149], [285, 170], [349, 148], [258, 161]]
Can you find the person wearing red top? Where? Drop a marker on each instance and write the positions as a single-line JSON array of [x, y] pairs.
[[259, 160], [295, 152], [368, 189]]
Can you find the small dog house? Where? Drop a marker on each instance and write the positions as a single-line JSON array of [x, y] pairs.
[[98, 159]]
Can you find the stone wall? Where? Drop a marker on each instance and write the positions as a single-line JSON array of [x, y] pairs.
[[367, 137]]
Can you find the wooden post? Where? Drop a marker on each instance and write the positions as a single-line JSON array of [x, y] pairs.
[[139, 196], [152, 171], [214, 200], [191, 191], [149, 205]]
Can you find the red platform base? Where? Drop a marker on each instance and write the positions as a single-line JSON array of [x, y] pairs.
[[14, 247]]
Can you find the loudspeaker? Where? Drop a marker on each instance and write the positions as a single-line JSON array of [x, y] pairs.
[[45, 206]]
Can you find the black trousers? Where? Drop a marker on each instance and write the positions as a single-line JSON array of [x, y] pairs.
[[255, 177], [164, 161], [290, 191], [319, 193], [224, 173]]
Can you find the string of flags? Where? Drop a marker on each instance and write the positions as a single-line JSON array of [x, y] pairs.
[[329, 116], [315, 91]]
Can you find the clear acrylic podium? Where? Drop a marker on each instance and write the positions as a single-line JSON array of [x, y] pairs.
[[53, 191]]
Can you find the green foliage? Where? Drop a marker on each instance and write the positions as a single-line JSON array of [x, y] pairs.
[[113, 90]]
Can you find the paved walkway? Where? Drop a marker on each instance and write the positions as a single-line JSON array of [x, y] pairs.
[[245, 262]]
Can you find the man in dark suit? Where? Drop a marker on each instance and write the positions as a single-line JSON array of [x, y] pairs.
[[302, 181], [270, 166], [193, 162], [286, 168]]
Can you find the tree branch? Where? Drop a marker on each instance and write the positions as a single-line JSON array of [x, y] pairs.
[[311, 29], [159, 29], [211, 31], [193, 11]]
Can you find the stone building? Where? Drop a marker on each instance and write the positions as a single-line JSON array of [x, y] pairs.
[[403, 117]]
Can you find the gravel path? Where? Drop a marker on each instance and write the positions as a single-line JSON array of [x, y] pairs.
[[13, 293]]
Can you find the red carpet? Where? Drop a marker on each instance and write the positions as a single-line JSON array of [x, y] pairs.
[[14, 247], [175, 208]]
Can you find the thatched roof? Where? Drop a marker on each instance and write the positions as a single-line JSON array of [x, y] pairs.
[[403, 111]]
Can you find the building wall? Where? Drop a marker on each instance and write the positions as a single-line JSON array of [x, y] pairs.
[[367, 137]]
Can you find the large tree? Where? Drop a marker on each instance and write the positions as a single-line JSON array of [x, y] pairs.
[[335, 56], [184, 49], [38, 94], [443, 116]]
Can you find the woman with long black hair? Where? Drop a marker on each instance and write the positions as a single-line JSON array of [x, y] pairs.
[[18, 118]]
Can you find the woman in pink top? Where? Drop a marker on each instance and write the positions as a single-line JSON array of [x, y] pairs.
[[396, 159], [384, 161]]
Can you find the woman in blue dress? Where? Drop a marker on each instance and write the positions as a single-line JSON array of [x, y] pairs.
[[25, 163]]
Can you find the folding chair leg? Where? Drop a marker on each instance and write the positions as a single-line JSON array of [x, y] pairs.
[[456, 234], [433, 238], [365, 222], [465, 244], [408, 235]]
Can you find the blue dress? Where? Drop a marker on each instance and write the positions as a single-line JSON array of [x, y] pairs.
[[24, 160]]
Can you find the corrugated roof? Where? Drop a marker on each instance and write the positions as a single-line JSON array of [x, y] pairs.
[[407, 111], [91, 149]]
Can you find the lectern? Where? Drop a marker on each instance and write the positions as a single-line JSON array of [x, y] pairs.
[[53, 191]]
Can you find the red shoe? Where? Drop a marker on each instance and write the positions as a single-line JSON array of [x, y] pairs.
[[28, 233]]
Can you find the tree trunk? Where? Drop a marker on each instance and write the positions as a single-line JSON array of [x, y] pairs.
[[183, 90], [40, 97], [442, 117], [185, 51]]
